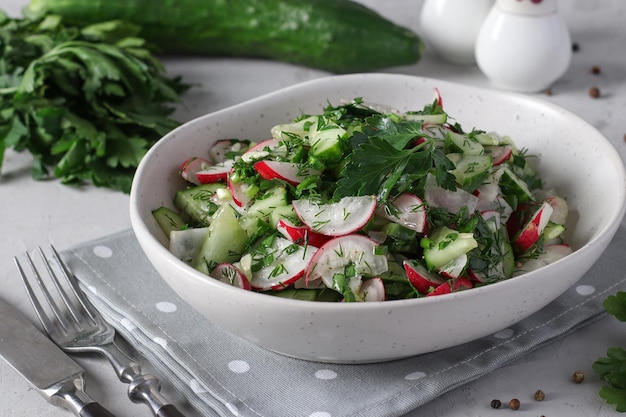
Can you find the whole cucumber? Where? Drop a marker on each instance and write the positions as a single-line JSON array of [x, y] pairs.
[[334, 35]]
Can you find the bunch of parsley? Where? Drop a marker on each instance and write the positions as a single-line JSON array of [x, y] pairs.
[[612, 368], [87, 103]]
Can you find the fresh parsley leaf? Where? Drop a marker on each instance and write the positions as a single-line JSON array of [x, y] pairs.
[[87, 103], [612, 368], [616, 305]]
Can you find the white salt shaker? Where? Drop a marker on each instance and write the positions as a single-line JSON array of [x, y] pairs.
[[524, 45], [450, 27]]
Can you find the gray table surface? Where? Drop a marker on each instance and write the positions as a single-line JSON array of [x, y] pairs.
[[34, 213]]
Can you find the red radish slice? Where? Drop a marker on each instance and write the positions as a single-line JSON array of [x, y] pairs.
[[448, 287], [437, 97], [420, 277], [373, 290], [551, 253], [499, 153], [346, 216], [230, 274], [238, 191], [409, 211], [288, 265], [559, 209], [530, 232], [301, 235], [343, 251], [290, 172], [191, 166], [215, 173], [454, 268]]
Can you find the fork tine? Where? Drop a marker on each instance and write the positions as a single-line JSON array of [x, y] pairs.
[[71, 280], [34, 300]]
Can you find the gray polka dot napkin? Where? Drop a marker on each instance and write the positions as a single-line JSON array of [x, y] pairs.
[[223, 375]]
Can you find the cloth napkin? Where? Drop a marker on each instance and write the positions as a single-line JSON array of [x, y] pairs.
[[223, 375]]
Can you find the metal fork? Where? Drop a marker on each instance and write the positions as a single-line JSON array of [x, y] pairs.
[[76, 326]]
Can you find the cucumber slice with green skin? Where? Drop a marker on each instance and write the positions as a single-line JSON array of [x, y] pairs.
[[444, 245], [439, 119], [168, 219], [225, 241], [327, 146], [470, 170], [198, 203], [301, 129], [511, 184], [459, 143]]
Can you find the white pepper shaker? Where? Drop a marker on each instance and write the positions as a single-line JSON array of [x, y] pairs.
[[524, 45], [450, 27]]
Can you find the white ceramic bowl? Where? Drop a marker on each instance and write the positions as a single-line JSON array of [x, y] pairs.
[[574, 158]]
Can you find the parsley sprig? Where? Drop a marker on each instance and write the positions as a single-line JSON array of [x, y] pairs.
[[385, 161], [87, 102], [612, 368]]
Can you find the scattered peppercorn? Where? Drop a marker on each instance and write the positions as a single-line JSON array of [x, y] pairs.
[[548, 92], [575, 47], [596, 70], [624, 137], [514, 404], [496, 403], [578, 377], [540, 395], [594, 92]]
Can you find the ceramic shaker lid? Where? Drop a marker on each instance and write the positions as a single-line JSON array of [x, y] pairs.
[[528, 7]]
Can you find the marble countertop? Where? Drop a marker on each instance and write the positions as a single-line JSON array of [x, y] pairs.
[[35, 213]]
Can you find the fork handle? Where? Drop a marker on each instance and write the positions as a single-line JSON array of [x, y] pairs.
[[142, 388], [145, 388]]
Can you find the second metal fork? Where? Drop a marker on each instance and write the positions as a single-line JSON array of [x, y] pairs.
[[76, 326]]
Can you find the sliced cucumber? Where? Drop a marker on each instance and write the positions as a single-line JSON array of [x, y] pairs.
[[439, 119], [327, 146], [263, 208], [168, 219], [444, 245], [225, 241], [197, 202], [185, 244], [470, 170], [511, 184], [300, 129], [459, 143]]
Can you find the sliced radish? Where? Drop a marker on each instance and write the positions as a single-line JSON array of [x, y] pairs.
[[238, 191], [288, 264], [407, 210], [191, 166], [559, 209], [344, 251], [373, 289], [550, 254], [419, 276], [301, 235], [455, 267], [529, 233], [215, 173], [263, 149], [450, 286], [500, 153], [290, 172], [437, 97], [230, 274], [452, 201], [346, 216]]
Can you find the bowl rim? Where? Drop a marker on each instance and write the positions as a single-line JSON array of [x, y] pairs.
[[142, 231]]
